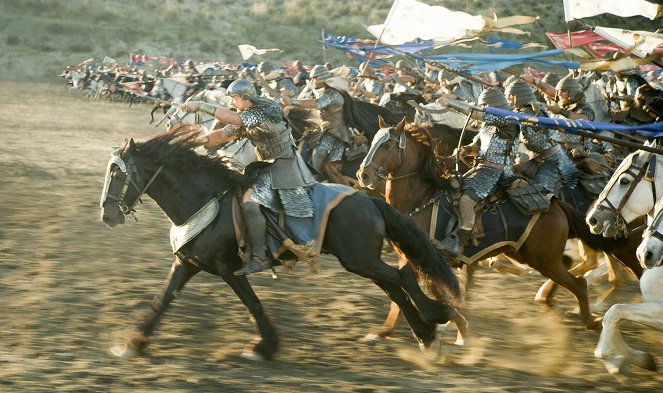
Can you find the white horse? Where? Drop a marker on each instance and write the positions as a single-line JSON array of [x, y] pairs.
[[650, 252], [239, 152], [174, 89], [630, 193]]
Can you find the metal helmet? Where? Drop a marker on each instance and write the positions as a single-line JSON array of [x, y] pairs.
[[320, 72], [445, 76], [242, 88], [522, 91], [551, 78], [402, 65], [509, 80], [265, 67], [571, 85], [494, 97]]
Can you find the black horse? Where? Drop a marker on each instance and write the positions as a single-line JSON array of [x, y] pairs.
[[162, 168]]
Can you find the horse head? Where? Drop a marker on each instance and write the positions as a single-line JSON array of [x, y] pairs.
[[650, 251], [381, 163], [122, 185], [630, 193]]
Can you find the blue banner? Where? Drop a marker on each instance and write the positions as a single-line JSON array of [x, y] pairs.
[[487, 62], [652, 130]]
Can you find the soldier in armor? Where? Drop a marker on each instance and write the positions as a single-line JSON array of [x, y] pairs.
[[302, 76], [407, 81], [281, 186], [495, 148], [335, 135], [454, 87], [554, 167], [621, 92], [277, 81], [368, 84]]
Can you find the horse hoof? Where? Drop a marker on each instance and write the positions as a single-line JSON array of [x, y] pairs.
[[616, 366], [252, 356], [372, 338], [123, 351], [432, 350], [596, 324]]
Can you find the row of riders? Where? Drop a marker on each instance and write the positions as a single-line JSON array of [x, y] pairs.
[[505, 155]]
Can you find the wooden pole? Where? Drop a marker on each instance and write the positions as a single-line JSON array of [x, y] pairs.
[[324, 47]]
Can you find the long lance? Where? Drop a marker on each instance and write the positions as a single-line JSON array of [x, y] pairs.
[[460, 140], [634, 145]]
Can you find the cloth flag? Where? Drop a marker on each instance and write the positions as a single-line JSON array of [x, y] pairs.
[[79, 65], [410, 19], [249, 50], [484, 62], [641, 43], [578, 9]]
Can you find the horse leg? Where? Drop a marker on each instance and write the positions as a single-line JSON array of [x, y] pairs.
[[267, 345], [547, 290], [180, 273], [613, 350], [389, 325]]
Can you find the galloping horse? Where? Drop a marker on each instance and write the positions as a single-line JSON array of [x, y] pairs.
[[632, 192], [408, 163], [162, 168]]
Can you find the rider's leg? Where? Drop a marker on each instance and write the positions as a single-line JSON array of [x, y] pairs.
[[467, 217], [255, 233]]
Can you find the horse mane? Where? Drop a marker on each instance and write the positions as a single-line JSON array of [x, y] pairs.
[[429, 159], [175, 148]]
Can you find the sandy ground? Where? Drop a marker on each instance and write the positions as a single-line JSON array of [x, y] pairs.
[[71, 288]]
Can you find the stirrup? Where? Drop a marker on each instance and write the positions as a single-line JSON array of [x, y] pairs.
[[253, 265]]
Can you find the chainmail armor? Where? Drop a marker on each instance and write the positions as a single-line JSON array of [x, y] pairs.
[[295, 202], [333, 146]]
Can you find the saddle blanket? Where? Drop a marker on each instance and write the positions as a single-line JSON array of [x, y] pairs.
[[308, 232], [503, 225]]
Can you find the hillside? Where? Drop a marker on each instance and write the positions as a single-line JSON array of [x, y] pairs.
[[39, 37]]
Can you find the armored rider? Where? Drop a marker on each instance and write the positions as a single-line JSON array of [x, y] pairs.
[[277, 80], [554, 168], [335, 134], [281, 186], [495, 148]]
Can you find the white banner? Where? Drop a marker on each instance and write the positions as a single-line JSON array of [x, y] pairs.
[[578, 9], [642, 43], [249, 50], [411, 19]]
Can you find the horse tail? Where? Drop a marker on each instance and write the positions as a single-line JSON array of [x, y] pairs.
[[418, 249], [579, 229]]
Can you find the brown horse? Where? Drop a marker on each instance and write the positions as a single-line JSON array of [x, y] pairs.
[[407, 160]]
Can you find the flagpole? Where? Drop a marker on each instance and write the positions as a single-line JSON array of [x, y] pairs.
[[384, 27], [324, 47]]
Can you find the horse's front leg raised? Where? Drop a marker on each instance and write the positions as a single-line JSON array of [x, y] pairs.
[[268, 344], [180, 273]]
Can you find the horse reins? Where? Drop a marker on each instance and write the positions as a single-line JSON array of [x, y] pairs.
[[646, 171], [131, 169], [379, 169]]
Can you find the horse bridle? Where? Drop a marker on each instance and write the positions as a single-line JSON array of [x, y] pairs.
[[380, 139], [647, 171], [129, 169], [653, 230]]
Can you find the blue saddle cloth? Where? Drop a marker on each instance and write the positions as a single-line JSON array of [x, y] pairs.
[[325, 197], [503, 225]]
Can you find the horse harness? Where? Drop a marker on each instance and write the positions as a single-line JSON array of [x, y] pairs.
[[382, 136], [129, 169], [647, 172]]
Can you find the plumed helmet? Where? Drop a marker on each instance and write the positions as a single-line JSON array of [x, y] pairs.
[[265, 67], [551, 78], [509, 81], [570, 84], [521, 91], [494, 97], [320, 72], [242, 88]]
